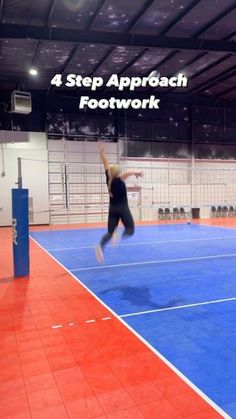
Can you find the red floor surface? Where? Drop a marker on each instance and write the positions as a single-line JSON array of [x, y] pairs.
[[79, 370]]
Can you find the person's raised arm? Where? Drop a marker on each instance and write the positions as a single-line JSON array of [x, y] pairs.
[[133, 173], [103, 157]]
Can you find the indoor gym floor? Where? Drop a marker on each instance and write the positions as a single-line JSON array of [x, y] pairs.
[[65, 354]]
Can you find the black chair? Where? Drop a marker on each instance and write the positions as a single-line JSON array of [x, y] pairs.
[[176, 214], [167, 214], [231, 212], [213, 212], [182, 213], [161, 214], [219, 211], [224, 211]]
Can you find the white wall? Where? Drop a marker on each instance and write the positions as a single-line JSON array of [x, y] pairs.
[[32, 146]]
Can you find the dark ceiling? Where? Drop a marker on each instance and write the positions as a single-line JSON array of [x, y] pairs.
[[101, 37]]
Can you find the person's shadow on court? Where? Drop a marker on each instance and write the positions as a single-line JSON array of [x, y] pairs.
[[140, 296]]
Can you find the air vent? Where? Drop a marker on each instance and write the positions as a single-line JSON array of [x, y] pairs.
[[21, 102]]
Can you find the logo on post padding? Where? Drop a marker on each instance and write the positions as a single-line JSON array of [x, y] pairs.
[[14, 231]]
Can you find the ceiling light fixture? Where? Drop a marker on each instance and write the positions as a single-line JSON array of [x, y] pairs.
[[33, 72]]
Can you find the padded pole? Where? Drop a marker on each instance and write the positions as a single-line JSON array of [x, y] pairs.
[[20, 232]]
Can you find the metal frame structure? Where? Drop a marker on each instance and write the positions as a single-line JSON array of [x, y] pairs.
[[198, 41]]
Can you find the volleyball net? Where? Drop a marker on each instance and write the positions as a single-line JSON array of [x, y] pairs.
[[78, 192], [70, 192]]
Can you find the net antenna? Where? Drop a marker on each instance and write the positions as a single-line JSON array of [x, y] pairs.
[[19, 171], [3, 173]]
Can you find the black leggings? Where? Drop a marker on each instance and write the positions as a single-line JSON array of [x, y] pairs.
[[117, 213]]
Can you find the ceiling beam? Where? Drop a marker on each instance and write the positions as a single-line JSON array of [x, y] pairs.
[[114, 39], [210, 66], [182, 70], [140, 14], [69, 58], [95, 14], [167, 58], [180, 16], [216, 80], [102, 60], [215, 20], [63, 67], [226, 91], [50, 12], [132, 61], [229, 36], [108, 53], [30, 13], [35, 54], [205, 69]]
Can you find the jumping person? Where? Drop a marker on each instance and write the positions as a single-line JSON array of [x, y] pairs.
[[118, 207]]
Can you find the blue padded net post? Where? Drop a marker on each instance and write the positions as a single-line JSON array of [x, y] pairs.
[[20, 232]]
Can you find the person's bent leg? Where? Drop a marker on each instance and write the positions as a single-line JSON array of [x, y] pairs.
[[113, 221], [105, 238], [128, 221]]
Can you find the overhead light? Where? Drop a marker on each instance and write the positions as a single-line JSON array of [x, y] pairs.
[[33, 72]]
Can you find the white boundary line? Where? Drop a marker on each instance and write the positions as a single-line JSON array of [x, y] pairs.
[[204, 303], [141, 243], [168, 363], [153, 262], [215, 226]]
